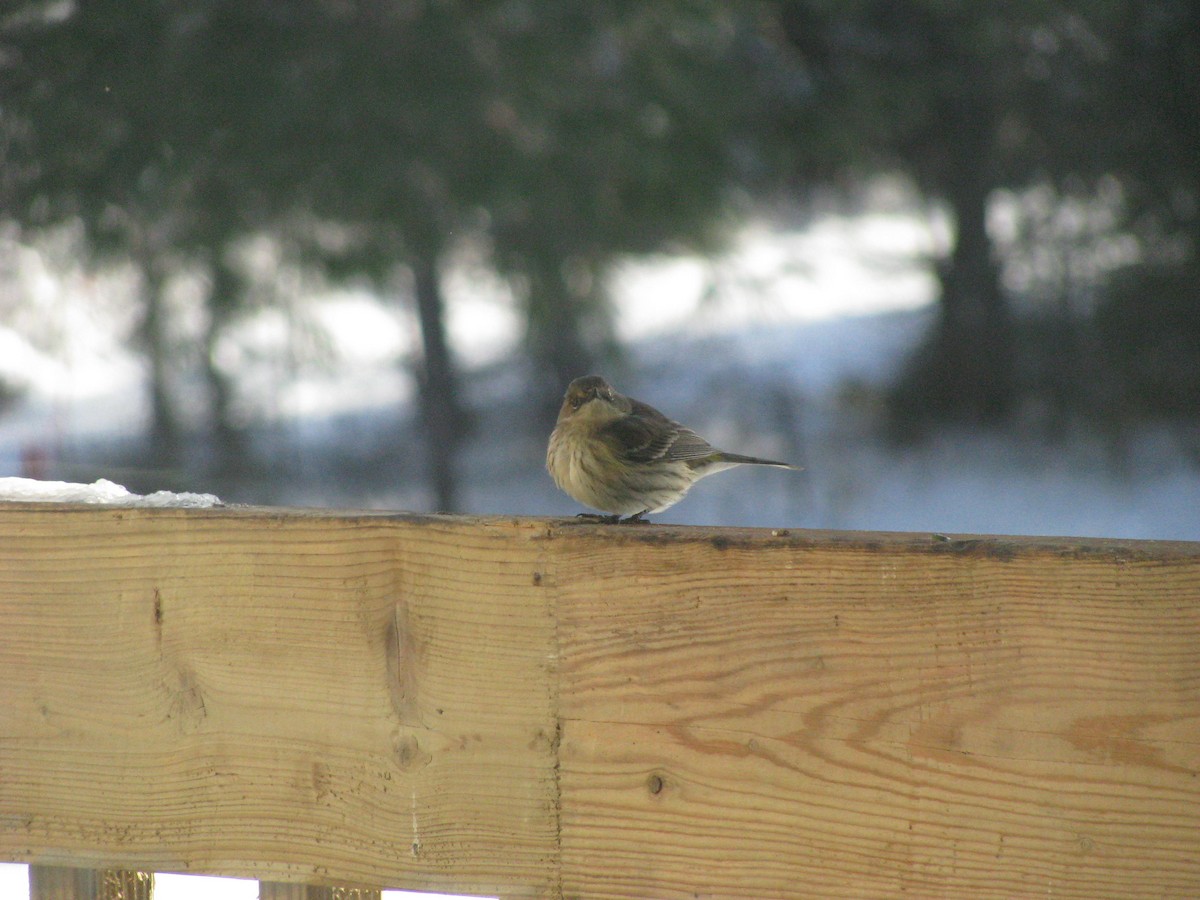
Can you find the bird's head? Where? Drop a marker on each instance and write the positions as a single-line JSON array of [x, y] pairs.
[[592, 398]]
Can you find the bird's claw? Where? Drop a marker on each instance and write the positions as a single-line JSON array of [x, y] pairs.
[[598, 517], [615, 519]]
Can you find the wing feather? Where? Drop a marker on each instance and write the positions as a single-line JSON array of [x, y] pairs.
[[646, 435]]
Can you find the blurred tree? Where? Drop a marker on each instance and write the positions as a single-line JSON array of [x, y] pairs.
[[1149, 317], [96, 131], [965, 99], [629, 118], [570, 132], [573, 132], [369, 117], [174, 130]]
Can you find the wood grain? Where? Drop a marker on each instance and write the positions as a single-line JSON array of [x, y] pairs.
[[542, 708], [219, 693], [875, 717]]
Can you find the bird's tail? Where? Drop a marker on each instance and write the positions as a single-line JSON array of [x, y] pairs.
[[737, 459]]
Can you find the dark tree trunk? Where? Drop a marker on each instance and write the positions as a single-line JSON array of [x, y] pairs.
[[974, 338], [441, 407], [152, 336], [965, 371], [555, 340], [556, 321], [228, 439]]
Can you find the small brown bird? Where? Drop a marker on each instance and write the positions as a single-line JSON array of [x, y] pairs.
[[621, 456]]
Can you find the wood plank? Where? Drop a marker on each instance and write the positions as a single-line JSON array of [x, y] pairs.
[[536, 708], [275, 890], [868, 716], [64, 883], [357, 700]]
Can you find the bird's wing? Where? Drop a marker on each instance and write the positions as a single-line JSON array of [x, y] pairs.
[[646, 435], [634, 438], [688, 446]]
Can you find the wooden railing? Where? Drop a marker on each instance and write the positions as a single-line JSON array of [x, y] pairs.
[[544, 708]]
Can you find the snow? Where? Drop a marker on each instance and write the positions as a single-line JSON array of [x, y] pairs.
[[781, 348], [198, 887], [781, 277], [100, 492], [809, 394], [14, 881], [14, 885]]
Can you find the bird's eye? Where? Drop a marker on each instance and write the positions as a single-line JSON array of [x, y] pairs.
[[576, 402]]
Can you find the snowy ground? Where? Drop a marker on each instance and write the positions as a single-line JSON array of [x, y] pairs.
[[807, 393], [780, 349]]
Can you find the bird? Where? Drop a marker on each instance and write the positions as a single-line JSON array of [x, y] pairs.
[[624, 457]]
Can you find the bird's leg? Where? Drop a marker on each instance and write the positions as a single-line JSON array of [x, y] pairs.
[[597, 517], [635, 519]]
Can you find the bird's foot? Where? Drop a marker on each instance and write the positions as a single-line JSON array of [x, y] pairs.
[[615, 519], [598, 517]]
